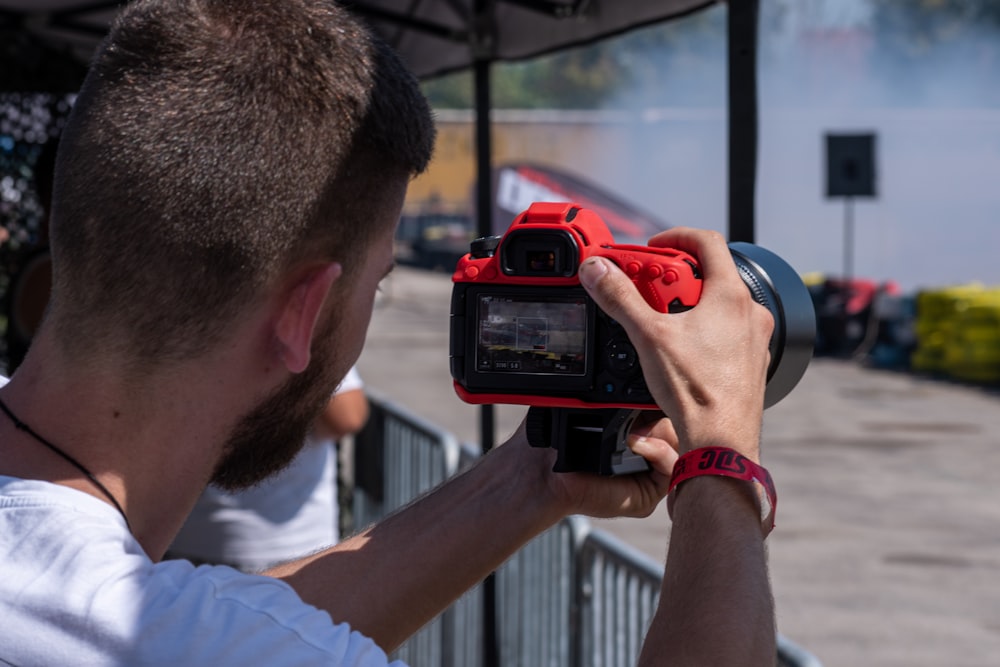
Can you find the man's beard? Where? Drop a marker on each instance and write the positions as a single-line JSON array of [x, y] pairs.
[[267, 438]]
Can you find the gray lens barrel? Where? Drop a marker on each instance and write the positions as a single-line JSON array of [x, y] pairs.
[[775, 285]]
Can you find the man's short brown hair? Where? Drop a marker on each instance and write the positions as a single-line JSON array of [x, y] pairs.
[[213, 144]]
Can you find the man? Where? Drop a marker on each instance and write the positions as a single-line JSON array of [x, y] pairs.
[[225, 198]]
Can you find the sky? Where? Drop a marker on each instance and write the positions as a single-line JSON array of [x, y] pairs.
[[936, 219]]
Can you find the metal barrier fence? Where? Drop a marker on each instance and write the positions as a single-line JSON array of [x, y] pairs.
[[572, 597]]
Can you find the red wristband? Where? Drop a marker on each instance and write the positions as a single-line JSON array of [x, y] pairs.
[[727, 463]]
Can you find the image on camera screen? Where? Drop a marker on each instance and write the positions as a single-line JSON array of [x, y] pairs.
[[532, 336]]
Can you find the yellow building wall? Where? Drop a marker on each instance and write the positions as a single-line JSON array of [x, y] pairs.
[[570, 141]]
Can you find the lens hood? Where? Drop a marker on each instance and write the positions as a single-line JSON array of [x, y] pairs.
[[777, 286]]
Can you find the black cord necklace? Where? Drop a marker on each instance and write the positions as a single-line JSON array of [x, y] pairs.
[[21, 426]]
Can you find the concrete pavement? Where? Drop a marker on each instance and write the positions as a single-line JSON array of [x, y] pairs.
[[887, 546]]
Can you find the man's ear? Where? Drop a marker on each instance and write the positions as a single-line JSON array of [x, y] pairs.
[[302, 303]]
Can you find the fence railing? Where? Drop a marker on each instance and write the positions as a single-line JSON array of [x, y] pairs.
[[572, 597]]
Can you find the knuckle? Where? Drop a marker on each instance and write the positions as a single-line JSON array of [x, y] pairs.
[[714, 237], [765, 320], [760, 314], [735, 292]]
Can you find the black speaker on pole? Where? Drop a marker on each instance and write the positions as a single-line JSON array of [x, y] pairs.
[[850, 165], [850, 173]]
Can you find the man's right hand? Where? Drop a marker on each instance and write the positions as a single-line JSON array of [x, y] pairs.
[[706, 368]]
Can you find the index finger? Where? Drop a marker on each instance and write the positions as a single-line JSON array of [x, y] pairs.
[[709, 248]]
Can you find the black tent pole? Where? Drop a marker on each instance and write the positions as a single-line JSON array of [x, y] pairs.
[[484, 201], [484, 214], [742, 19]]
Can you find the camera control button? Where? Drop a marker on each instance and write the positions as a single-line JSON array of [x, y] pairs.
[[633, 268], [670, 276], [654, 271], [471, 272], [637, 391], [621, 356]]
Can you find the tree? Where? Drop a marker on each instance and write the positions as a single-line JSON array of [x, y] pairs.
[[939, 51], [674, 63]]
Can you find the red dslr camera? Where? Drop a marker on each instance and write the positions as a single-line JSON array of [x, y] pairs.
[[524, 331]]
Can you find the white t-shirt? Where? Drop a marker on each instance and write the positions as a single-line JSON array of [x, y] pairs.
[[290, 515], [77, 589]]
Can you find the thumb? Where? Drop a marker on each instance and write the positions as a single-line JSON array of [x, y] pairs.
[[659, 453], [613, 292]]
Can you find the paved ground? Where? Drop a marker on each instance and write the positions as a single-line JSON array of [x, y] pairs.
[[887, 550]]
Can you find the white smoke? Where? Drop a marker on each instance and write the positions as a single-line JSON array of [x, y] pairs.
[[936, 220]]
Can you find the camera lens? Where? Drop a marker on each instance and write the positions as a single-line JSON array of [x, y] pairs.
[[776, 286]]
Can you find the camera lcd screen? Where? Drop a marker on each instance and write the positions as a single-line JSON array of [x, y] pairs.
[[531, 335]]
